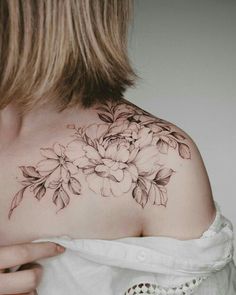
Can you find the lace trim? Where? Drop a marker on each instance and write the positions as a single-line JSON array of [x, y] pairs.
[[148, 288]]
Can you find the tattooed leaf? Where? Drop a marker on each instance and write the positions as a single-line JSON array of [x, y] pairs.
[[89, 140], [140, 196], [40, 193], [162, 146], [29, 171], [48, 153], [178, 135], [16, 201], [35, 187], [105, 118], [163, 176], [166, 127], [60, 198], [164, 134], [163, 196], [172, 142], [74, 186], [27, 181], [141, 183], [153, 193], [54, 184], [123, 115], [184, 151]]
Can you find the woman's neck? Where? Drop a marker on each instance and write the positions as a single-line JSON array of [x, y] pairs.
[[10, 125], [14, 126]]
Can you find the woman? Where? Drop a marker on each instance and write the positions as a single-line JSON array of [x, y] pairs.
[[126, 193]]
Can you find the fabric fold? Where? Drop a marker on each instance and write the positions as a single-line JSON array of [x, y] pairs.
[[127, 265], [160, 254]]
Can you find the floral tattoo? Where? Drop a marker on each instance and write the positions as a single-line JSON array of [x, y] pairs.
[[120, 154]]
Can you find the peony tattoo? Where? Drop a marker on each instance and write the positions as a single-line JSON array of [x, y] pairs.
[[119, 155]]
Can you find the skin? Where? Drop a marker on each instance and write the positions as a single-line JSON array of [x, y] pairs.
[[27, 278], [87, 215], [89, 173], [124, 156], [111, 157]]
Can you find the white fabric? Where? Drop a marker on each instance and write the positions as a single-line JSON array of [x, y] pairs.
[[144, 265]]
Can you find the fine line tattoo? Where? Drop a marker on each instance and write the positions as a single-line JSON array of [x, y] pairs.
[[120, 154]]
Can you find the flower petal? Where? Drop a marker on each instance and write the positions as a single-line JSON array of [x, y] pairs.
[[65, 175], [118, 174], [96, 130], [72, 168], [116, 188], [126, 182], [119, 188], [115, 166], [144, 137], [108, 162], [123, 165], [133, 171], [88, 170], [111, 151], [133, 154], [102, 170], [147, 159], [106, 189], [59, 149], [75, 150], [83, 162], [47, 165], [95, 182], [48, 153], [53, 178], [122, 153], [92, 153]]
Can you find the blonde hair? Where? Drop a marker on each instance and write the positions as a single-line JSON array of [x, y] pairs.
[[64, 52]]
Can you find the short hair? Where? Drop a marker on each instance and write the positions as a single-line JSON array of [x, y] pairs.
[[65, 52]]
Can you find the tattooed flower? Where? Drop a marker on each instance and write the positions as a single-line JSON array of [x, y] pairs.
[[113, 155], [109, 169], [56, 166], [144, 154], [139, 135], [121, 152], [147, 162]]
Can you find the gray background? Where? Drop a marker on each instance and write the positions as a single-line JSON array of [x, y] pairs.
[[184, 50]]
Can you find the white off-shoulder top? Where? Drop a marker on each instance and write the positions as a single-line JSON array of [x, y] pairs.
[[144, 265]]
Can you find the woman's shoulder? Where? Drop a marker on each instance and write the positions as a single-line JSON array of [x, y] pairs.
[[165, 167], [172, 185]]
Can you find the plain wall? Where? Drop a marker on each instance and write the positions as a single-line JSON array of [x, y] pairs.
[[184, 50]]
